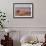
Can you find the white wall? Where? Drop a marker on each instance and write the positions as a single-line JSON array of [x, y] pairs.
[[39, 13], [25, 25]]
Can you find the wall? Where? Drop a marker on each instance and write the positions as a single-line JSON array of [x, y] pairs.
[[25, 25], [39, 13]]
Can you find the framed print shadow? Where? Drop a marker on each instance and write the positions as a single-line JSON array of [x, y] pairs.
[[22, 9]]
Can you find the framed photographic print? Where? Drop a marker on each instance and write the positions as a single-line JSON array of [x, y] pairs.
[[22, 9]]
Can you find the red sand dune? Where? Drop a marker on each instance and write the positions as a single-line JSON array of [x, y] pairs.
[[23, 12]]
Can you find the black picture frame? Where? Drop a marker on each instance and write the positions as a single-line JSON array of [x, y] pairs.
[[23, 6]]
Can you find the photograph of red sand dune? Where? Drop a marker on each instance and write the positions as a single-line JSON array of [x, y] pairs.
[[23, 11]]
